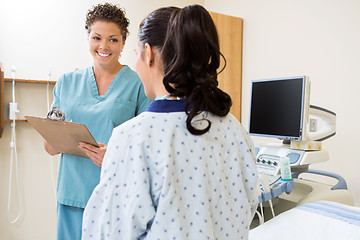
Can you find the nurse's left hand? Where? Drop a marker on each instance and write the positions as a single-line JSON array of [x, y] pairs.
[[96, 154]]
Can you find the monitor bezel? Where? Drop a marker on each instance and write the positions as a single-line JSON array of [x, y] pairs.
[[305, 95]]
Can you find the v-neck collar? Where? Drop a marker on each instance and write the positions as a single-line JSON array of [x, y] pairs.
[[94, 87]]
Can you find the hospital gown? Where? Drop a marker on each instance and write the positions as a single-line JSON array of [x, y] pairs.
[[158, 181]]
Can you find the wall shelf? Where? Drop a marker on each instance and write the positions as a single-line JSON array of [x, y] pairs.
[[28, 81], [2, 93], [16, 120]]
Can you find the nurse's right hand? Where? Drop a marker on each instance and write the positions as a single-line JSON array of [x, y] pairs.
[[96, 154]]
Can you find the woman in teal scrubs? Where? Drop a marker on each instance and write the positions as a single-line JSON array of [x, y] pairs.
[[102, 97]]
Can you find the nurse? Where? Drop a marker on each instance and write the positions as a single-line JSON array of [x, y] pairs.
[[102, 97], [185, 168]]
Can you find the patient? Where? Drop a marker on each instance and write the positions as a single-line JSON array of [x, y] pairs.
[[184, 168]]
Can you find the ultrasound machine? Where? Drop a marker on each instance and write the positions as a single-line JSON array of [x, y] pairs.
[[280, 109]]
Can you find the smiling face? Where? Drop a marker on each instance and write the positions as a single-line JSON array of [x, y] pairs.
[[105, 43]]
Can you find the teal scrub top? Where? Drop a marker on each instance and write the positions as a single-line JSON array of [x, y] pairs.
[[76, 94]]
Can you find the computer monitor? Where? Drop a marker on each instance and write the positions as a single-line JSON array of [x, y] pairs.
[[279, 107]]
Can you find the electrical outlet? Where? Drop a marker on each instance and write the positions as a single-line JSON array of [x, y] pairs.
[[13, 110], [313, 125]]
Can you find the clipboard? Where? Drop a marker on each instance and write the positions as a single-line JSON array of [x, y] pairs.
[[63, 136]]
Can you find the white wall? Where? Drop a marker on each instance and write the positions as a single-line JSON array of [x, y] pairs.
[[316, 38], [37, 37], [281, 38]]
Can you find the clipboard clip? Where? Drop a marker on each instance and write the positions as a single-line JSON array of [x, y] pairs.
[[56, 114]]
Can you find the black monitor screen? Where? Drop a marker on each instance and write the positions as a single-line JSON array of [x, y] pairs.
[[277, 108]]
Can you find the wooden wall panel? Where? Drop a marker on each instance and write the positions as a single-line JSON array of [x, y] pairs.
[[230, 31], [1, 100]]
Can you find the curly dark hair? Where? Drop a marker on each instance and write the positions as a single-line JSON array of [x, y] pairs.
[[190, 51], [110, 13]]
